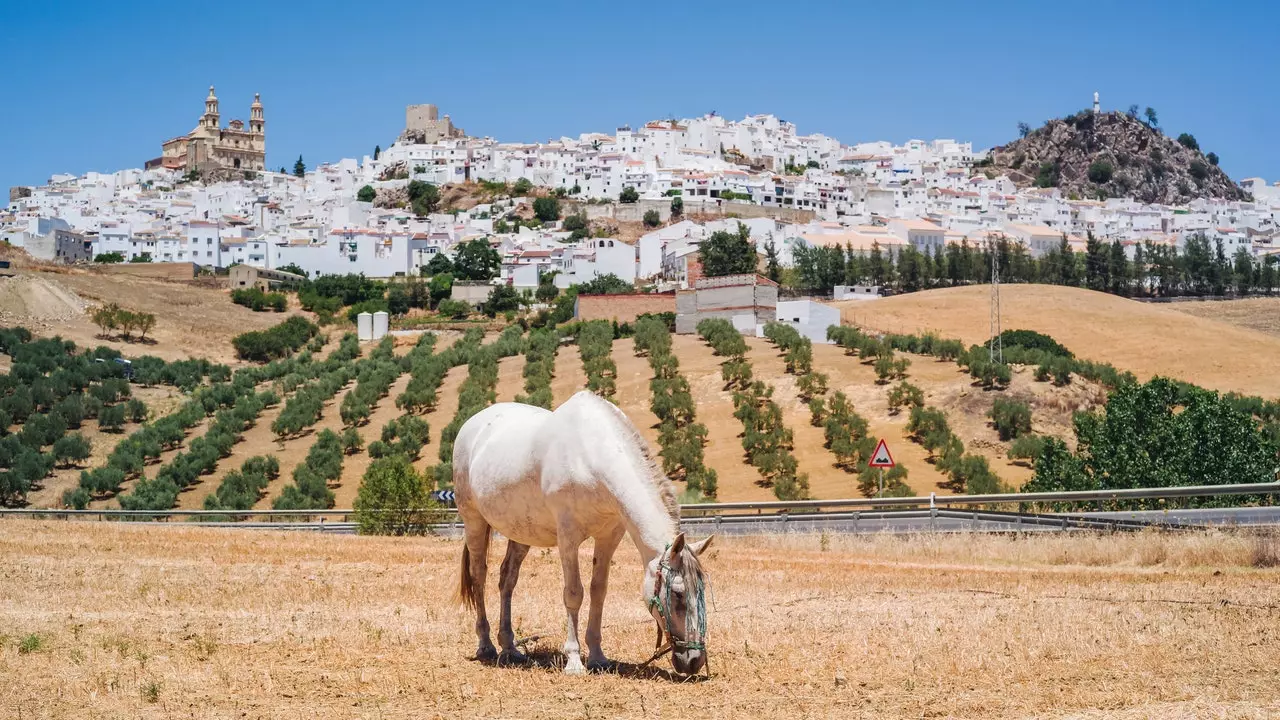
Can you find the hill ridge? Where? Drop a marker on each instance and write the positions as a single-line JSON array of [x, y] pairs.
[[1113, 154]]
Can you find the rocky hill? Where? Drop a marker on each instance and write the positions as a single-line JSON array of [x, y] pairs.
[[1113, 155]]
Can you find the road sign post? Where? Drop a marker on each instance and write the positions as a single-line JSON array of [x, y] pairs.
[[881, 459]]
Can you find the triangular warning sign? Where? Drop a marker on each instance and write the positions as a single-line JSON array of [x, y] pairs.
[[881, 457]]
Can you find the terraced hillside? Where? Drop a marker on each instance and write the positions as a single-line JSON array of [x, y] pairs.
[[1147, 339]]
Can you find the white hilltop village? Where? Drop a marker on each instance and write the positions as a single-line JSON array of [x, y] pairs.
[[787, 188]]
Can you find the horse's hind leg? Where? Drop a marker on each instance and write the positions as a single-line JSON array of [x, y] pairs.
[[506, 586], [477, 537]]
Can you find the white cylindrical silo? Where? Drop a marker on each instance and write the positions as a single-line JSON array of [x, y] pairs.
[[364, 326], [381, 323]]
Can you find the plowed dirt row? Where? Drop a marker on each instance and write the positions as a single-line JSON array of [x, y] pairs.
[[570, 378], [737, 481], [633, 394], [510, 378]]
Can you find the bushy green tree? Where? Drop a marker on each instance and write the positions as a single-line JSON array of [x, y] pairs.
[[546, 209], [394, 499], [476, 260], [726, 253], [1011, 418]]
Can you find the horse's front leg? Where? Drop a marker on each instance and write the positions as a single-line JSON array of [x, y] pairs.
[[570, 539], [601, 558]]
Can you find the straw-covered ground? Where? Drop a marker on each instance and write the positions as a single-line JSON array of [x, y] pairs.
[[105, 620]]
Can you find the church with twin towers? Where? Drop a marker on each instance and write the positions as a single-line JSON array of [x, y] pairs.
[[211, 149]]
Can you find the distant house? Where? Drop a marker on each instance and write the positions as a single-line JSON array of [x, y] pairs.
[[247, 276], [473, 293], [856, 292], [745, 300]]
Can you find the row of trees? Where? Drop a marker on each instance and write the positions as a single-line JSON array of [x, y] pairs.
[[966, 472], [477, 392], [147, 443], [111, 317], [845, 433], [304, 407], [680, 436], [595, 346], [321, 468], [427, 370], [200, 458], [372, 384], [242, 489], [767, 442], [1200, 267], [52, 388], [539, 367]]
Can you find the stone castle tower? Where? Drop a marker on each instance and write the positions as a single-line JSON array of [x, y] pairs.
[[213, 149]]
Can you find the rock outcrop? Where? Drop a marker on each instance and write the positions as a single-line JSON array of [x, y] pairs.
[[1112, 155]]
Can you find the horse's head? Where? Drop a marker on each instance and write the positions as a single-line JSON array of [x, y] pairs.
[[675, 587]]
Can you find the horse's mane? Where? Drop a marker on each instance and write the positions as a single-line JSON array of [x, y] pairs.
[[661, 483]]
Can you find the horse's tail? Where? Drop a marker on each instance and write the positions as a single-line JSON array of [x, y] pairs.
[[466, 593], [466, 587]]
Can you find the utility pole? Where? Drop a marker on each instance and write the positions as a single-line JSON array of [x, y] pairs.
[[995, 346]]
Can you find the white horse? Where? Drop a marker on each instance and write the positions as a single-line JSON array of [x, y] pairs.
[[553, 479]]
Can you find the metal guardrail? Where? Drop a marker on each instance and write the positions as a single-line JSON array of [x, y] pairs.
[[890, 521], [724, 509]]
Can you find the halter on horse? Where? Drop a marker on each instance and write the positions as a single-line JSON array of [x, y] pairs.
[[688, 646]]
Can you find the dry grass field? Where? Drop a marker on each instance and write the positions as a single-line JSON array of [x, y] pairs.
[[113, 621], [1144, 338], [1261, 314], [191, 322]]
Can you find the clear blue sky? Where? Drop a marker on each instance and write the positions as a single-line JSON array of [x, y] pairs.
[[92, 85]]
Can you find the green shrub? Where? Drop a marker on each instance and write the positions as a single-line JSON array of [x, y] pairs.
[[277, 342], [1027, 447], [1011, 418], [904, 394], [393, 499]]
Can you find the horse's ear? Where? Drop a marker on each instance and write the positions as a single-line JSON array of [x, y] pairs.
[[677, 545], [703, 544]]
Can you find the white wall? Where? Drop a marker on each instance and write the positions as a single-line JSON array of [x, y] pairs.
[[811, 319]]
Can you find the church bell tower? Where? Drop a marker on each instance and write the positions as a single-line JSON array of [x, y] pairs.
[[210, 119]]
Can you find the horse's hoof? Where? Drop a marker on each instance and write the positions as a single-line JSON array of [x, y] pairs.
[[596, 666], [574, 667], [487, 654], [513, 657]]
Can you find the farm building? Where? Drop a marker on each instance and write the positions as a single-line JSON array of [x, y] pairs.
[[745, 300], [473, 293], [810, 318], [246, 276]]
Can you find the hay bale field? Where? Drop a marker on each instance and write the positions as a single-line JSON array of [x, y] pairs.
[[106, 620]]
